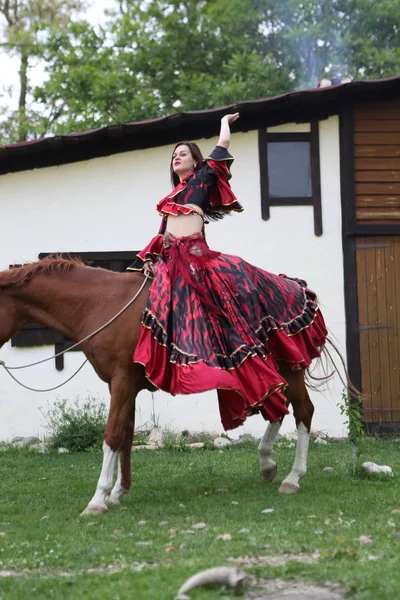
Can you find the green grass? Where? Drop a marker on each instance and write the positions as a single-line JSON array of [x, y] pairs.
[[52, 549]]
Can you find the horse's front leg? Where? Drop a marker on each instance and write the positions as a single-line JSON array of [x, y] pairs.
[[268, 467], [98, 505], [117, 438], [303, 410]]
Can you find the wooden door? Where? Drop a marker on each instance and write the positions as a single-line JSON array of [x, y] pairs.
[[378, 282]]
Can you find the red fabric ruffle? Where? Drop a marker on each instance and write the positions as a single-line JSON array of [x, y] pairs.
[[167, 206], [214, 321], [221, 195], [254, 386], [153, 248]]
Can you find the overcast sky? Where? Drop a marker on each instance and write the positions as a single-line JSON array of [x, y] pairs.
[[9, 67]]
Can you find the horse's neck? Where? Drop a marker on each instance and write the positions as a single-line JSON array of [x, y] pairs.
[[55, 302]]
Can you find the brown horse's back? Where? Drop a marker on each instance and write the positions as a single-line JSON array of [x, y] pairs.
[[113, 347]]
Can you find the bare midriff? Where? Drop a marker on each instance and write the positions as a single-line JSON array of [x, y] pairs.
[[182, 225]]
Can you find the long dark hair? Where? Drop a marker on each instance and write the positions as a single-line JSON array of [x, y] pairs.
[[197, 157]]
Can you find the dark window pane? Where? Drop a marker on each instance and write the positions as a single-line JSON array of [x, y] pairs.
[[289, 169]]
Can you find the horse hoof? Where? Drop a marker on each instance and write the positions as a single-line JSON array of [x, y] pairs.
[[269, 475], [289, 488], [111, 501], [94, 510]]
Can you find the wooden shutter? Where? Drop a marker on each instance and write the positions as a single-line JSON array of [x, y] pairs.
[[377, 162]]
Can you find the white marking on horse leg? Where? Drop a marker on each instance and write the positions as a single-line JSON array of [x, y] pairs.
[[290, 485], [98, 505], [118, 490], [268, 466]]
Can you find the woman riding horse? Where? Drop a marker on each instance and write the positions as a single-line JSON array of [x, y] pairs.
[[214, 321], [211, 321]]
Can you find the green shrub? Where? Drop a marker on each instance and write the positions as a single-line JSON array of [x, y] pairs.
[[351, 408], [78, 426]]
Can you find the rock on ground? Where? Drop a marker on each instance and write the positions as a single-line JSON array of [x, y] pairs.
[[372, 467], [221, 442], [40, 447], [156, 436], [19, 442]]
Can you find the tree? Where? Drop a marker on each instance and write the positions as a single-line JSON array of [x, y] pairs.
[[88, 85], [26, 23], [155, 57], [159, 57], [372, 38], [331, 37], [199, 54]]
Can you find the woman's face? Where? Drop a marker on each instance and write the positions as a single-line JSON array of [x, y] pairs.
[[182, 160]]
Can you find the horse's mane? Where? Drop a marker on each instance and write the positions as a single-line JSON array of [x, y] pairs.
[[53, 263]]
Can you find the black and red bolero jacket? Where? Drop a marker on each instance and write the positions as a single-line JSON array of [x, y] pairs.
[[207, 187]]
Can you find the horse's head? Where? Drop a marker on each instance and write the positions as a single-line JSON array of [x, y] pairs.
[[12, 281], [32, 293]]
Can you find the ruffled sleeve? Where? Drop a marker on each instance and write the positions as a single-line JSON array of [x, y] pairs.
[[151, 252], [220, 160], [221, 199]]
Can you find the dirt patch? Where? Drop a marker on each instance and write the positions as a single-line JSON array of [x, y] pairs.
[[277, 589], [274, 589]]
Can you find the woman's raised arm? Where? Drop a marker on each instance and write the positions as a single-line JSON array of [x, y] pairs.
[[225, 132]]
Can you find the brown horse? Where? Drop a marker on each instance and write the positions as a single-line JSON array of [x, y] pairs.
[[68, 296]]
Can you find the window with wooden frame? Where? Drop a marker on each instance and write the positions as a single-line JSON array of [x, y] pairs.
[[35, 334], [290, 171]]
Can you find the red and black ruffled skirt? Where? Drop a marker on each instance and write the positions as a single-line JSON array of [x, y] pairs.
[[214, 321]]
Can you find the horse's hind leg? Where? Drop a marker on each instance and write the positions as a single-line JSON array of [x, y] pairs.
[[303, 410], [117, 438], [123, 482], [268, 466]]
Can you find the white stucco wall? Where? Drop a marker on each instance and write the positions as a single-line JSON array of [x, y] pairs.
[[108, 204]]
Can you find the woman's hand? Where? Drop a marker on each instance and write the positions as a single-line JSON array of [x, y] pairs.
[[148, 269], [230, 118]]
